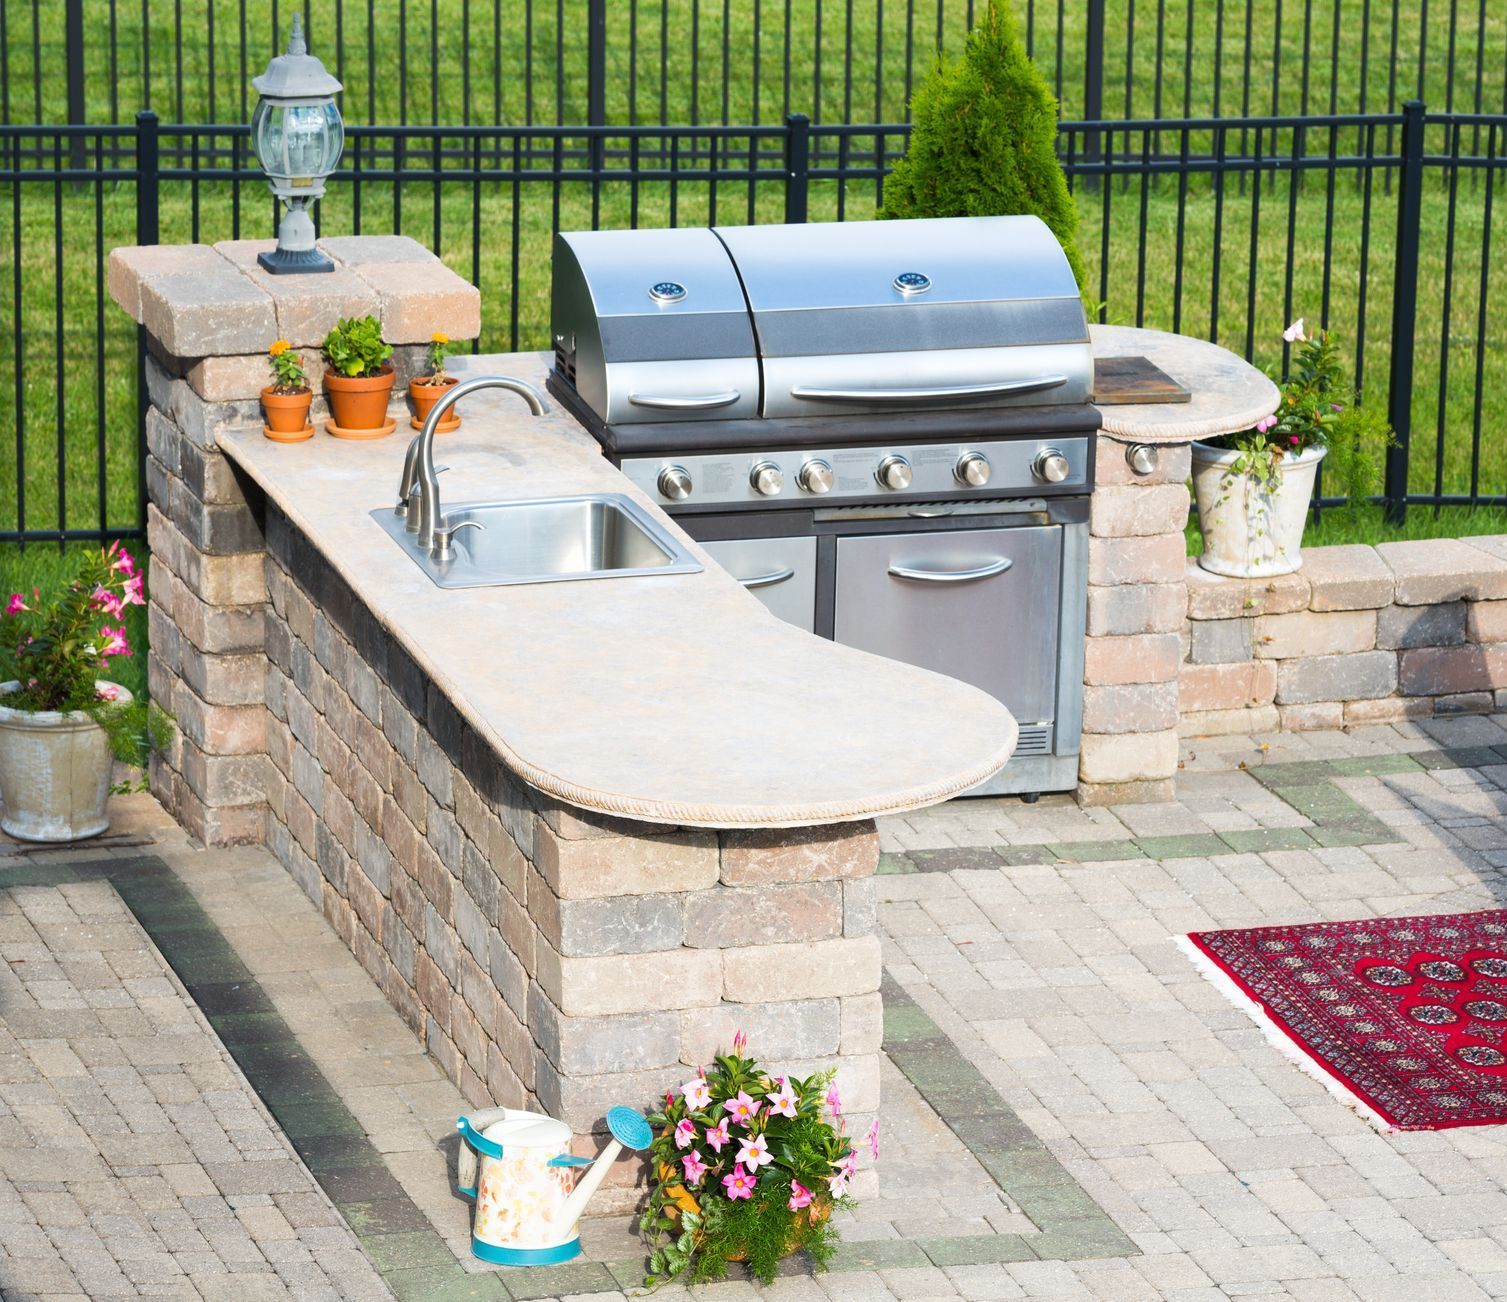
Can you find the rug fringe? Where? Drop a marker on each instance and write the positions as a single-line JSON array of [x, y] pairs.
[[1277, 1037]]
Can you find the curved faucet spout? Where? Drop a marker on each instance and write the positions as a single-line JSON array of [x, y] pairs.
[[420, 489]]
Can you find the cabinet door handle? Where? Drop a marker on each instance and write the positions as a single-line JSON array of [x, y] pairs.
[[767, 580], [953, 576]]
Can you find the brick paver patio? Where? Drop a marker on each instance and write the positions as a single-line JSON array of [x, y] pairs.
[[1070, 1110]]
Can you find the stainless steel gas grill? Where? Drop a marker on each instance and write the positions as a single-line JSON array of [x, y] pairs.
[[882, 429]]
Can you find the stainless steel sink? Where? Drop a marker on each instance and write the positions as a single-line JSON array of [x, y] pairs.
[[545, 540]]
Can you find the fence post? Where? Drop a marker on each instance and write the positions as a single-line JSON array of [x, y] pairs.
[[596, 78], [148, 213], [73, 41], [797, 165], [1093, 82], [1404, 308]]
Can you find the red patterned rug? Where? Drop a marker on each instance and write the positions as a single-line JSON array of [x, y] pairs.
[[1405, 1019]]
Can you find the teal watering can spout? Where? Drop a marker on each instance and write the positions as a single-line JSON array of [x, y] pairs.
[[629, 1130]]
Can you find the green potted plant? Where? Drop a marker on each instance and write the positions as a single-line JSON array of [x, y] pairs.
[[286, 400], [984, 139], [62, 722], [358, 379], [428, 388], [1253, 488], [747, 1166]]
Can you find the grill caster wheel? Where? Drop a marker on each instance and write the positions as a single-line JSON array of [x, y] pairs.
[[1030, 797]]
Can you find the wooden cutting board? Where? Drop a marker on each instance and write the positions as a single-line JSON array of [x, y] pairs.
[[1120, 381]]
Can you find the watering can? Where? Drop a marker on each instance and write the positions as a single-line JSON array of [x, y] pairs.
[[518, 1167]]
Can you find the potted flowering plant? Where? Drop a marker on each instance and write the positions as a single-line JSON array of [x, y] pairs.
[[286, 400], [1253, 488], [358, 379], [428, 388], [61, 722], [747, 1166]]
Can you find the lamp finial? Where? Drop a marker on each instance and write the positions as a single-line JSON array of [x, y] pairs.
[[295, 41]]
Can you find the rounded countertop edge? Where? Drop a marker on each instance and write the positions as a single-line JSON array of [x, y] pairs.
[[677, 813]]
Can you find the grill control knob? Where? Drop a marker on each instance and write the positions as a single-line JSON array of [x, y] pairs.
[[767, 479], [973, 469], [815, 476], [1050, 466], [894, 473], [675, 483]]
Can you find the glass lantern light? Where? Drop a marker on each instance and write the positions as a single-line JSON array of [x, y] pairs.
[[298, 137]]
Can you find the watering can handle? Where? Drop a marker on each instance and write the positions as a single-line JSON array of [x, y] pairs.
[[474, 1142], [569, 1159]]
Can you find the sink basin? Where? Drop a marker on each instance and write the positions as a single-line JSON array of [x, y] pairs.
[[547, 540]]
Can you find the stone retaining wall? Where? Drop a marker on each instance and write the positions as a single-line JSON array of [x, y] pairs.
[[1360, 635]]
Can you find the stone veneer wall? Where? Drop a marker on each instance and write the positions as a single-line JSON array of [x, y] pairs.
[[1136, 604], [1360, 635], [546, 956]]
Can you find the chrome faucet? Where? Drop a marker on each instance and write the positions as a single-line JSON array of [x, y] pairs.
[[419, 492]]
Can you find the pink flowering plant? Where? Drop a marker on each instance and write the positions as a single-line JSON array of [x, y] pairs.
[[1318, 409], [57, 648], [747, 1166]]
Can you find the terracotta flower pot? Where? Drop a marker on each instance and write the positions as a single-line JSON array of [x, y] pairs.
[[359, 404], [425, 394], [54, 771], [287, 413]]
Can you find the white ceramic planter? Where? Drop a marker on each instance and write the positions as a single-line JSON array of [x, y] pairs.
[[54, 772], [1250, 532]]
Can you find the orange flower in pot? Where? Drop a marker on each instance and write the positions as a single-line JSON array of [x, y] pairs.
[[429, 388], [358, 379], [286, 400]]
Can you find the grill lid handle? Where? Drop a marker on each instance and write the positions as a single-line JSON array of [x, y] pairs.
[[694, 402], [946, 393]]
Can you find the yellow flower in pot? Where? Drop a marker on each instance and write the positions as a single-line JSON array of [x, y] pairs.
[[428, 388], [358, 379], [286, 400]]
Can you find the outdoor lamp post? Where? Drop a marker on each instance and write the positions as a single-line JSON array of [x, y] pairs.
[[298, 135]]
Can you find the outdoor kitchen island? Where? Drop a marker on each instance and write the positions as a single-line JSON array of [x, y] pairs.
[[582, 831]]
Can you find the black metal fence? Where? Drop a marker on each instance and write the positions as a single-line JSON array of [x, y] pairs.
[[727, 61], [1222, 228]]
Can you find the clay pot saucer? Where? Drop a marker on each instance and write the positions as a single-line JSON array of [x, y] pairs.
[[360, 435], [451, 422], [288, 436]]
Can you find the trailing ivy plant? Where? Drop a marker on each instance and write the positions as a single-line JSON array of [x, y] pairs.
[[984, 139]]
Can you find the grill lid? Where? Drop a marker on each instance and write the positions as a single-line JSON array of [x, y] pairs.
[[898, 286]]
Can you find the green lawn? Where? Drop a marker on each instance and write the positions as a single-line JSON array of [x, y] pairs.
[[479, 48]]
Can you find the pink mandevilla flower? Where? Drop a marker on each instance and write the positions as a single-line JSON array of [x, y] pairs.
[[15, 606], [693, 1166], [1265, 423], [800, 1196], [754, 1153], [123, 564], [874, 1139], [105, 600], [717, 1135], [108, 692], [834, 1101], [850, 1163], [131, 593], [1294, 333], [685, 1134], [115, 641], [743, 1109], [739, 1184], [697, 1093], [782, 1101], [837, 1185]]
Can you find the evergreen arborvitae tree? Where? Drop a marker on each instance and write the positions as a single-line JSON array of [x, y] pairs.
[[984, 139]]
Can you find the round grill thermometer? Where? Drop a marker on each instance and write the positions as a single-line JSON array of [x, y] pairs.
[[667, 291], [912, 282]]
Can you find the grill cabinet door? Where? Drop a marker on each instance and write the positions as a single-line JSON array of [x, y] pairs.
[[780, 572], [977, 605]]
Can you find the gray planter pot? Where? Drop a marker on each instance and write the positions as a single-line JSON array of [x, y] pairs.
[[54, 772]]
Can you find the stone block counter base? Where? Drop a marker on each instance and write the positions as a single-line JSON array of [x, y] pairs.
[[572, 892]]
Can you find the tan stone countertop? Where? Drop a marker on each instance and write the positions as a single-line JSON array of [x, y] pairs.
[[1229, 394], [670, 698]]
